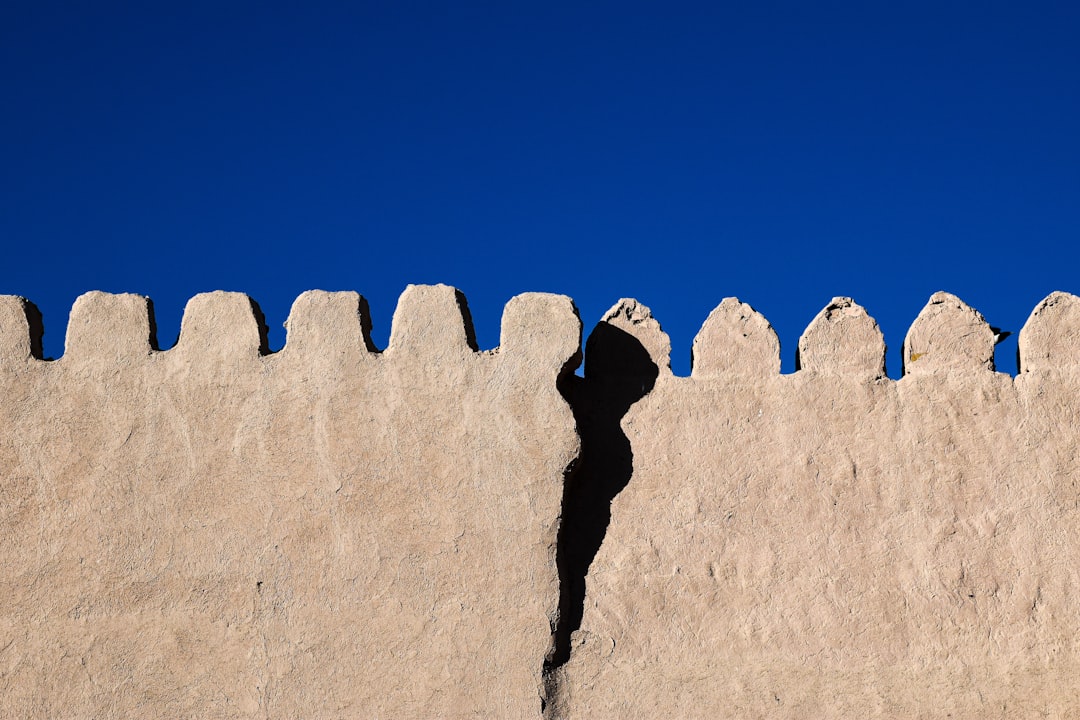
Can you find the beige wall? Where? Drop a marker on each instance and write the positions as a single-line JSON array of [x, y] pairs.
[[328, 531], [836, 544], [324, 532]]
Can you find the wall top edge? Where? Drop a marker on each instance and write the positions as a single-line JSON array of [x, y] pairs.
[[433, 322], [430, 321]]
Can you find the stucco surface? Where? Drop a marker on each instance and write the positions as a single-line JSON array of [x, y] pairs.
[[213, 532], [833, 543], [329, 531]]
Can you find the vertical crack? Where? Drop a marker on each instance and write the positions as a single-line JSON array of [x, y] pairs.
[[618, 373]]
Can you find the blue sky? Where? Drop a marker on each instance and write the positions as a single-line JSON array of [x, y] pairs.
[[679, 153]]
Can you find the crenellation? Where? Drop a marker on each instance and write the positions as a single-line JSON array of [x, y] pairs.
[[108, 332], [16, 341], [626, 331], [843, 340], [540, 328], [330, 324], [948, 335], [433, 322], [1050, 339], [735, 339], [220, 328]]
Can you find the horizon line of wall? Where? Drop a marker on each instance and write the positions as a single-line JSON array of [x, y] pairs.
[[1054, 320]]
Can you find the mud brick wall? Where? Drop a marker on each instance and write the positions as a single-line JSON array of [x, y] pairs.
[[436, 531], [212, 532], [836, 544]]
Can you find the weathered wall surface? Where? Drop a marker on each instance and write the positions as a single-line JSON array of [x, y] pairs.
[[211, 532], [330, 531], [833, 543]]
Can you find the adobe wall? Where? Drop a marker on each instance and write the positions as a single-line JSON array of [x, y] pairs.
[[836, 544], [210, 532], [438, 532]]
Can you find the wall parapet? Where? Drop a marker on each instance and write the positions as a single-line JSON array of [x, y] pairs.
[[435, 530], [431, 322], [842, 339]]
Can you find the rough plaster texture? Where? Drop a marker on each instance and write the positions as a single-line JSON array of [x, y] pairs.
[[836, 544], [333, 532], [213, 532]]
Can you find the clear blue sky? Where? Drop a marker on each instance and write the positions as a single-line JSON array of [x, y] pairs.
[[673, 152]]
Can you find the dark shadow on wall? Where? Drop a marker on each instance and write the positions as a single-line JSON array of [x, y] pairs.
[[152, 318], [36, 328], [618, 373], [264, 331]]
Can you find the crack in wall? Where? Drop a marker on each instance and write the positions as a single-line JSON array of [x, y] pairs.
[[618, 372]]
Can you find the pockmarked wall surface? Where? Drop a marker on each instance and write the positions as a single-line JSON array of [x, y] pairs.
[[432, 531], [326, 532]]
